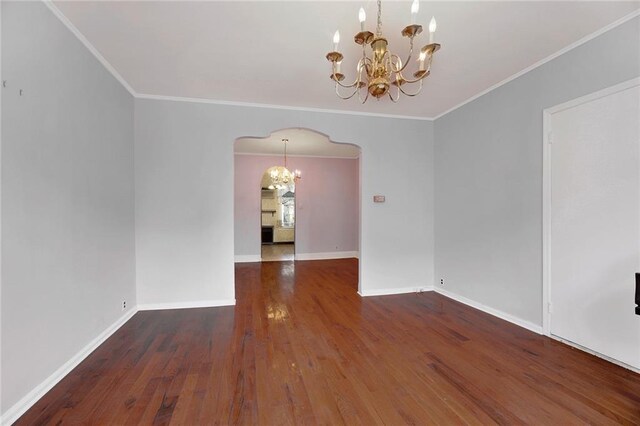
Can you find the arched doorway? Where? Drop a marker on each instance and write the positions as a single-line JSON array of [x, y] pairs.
[[327, 197], [277, 215]]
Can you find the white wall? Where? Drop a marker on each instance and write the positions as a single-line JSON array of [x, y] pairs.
[[67, 198], [184, 173], [488, 174], [593, 227]]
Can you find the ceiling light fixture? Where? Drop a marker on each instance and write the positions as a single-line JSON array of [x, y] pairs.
[[281, 177], [381, 69]]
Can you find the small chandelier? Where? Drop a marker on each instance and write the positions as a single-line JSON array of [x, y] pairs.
[[281, 177], [381, 69]]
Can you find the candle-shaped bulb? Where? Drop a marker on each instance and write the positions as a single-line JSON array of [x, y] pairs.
[[423, 55], [432, 29], [415, 6], [336, 40], [362, 16]]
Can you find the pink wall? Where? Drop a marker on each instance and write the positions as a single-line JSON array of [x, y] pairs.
[[327, 204]]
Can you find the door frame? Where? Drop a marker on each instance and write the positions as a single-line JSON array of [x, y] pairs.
[[295, 223], [547, 143]]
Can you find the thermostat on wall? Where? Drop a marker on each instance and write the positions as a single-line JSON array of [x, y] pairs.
[[378, 198]]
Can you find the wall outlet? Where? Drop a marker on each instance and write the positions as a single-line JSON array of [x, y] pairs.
[[441, 281], [124, 305]]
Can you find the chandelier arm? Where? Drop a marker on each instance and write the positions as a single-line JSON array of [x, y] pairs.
[[363, 64], [406, 62], [386, 60], [419, 79], [362, 101], [412, 94], [368, 67], [363, 60], [361, 67], [345, 97], [414, 80], [359, 79], [397, 97], [398, 61], [346, 86], [408, 57]]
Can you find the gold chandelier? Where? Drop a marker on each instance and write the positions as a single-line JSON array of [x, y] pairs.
[[382, 69], [281, 177]]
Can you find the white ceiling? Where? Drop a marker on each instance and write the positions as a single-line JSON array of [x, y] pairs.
[[301, 142], [273, 53]]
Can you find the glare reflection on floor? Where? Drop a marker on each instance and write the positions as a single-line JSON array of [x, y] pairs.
[[277, 313], [277, 252], [288, 270]]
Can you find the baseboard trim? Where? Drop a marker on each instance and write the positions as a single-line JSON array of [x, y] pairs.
[[327, 256], [20, 407], [391, 291], [187, 305], [26, 402], [594, 353], [247, 258], [491, 311]]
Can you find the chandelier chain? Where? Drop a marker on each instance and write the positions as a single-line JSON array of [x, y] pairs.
[[285, 152], [379, 26]]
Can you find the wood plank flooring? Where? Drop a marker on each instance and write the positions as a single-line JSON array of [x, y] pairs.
[[277, 252], [301, 347]]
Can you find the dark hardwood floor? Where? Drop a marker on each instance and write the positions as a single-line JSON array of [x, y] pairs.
[[301, 347]]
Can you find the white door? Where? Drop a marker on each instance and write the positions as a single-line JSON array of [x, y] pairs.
[[595, 224]]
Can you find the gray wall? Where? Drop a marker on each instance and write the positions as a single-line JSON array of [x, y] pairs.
[[184, 195], [488, 174], [67, 198]]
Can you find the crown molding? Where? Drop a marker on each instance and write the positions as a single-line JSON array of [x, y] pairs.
[[75, 31], [336, 157], [282, 107], [117, 76], [54, 9], [541, 62]]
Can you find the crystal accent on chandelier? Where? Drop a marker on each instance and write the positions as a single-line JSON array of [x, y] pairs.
[[281, 177], [381, 69]]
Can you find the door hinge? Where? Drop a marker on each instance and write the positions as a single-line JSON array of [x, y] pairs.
[[550, 307], [550, 138]]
